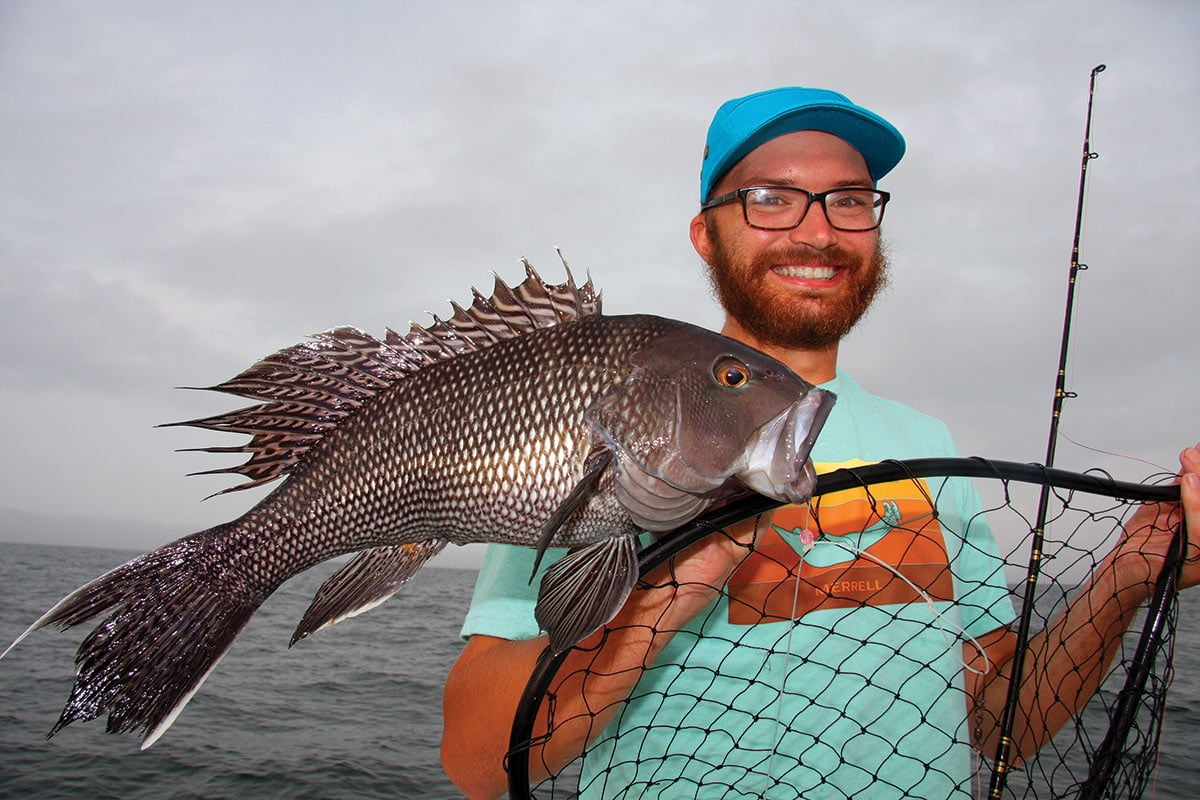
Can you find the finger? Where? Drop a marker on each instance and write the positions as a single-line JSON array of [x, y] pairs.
[[1189, 459], [1189, 491]]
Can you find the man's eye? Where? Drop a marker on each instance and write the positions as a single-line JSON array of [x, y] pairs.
[[763, 197], [851, 200]]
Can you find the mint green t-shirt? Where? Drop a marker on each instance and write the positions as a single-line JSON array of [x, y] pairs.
[[828, 671]]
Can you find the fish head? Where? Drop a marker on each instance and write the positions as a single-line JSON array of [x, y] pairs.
[[703, 415]]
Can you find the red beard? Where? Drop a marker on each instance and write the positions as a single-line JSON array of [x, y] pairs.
[[794, 319]]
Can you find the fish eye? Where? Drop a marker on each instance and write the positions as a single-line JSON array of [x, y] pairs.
[[731, 373]]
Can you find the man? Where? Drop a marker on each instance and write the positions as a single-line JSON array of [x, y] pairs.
[[853, 658]]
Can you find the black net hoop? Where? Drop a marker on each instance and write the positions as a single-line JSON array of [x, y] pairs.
[[1108, 749]]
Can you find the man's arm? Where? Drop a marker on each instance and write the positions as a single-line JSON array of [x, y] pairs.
[[1067, 661], [485, 684]]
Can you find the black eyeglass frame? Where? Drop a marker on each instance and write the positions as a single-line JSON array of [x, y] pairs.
[[813, 197]]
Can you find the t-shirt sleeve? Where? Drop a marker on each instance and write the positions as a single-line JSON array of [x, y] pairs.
[[983, 598], [504, 598]]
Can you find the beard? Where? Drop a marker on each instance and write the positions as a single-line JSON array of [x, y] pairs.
[[795, 319]]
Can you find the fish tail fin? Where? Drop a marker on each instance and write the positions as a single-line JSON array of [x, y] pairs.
[[585, 589], [365, 582], [174, 613]]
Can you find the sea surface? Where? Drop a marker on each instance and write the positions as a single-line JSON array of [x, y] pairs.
[[352, 712]]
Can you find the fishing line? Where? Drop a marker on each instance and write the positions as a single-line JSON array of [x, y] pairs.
[[807, 538], [1114, 454], [951, 631]]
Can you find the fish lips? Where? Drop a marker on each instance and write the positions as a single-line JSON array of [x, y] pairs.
[[777, 460]]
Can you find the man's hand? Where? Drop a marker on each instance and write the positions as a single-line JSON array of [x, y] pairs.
[[1139, 555], [1189, 490]]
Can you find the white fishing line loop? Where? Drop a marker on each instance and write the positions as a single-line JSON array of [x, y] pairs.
[[951, 631]]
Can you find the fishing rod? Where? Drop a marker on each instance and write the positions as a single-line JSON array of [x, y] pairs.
[[1060, 383], [1166, 585], [1002, 760]]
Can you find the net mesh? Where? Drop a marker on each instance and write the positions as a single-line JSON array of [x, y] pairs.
[[840, 660]]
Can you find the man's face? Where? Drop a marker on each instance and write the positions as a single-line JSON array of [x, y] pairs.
[[803, 288]]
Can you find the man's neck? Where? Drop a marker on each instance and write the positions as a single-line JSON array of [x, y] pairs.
[[814, 366]]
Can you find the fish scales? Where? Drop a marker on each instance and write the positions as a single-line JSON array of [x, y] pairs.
[[526, 418], [529, 453]]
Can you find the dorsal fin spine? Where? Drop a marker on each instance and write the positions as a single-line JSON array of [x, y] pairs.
[[310, 387]]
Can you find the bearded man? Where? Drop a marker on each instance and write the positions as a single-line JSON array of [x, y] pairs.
[[859, 649]]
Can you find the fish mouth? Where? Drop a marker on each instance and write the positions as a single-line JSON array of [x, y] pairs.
[[777, 458]]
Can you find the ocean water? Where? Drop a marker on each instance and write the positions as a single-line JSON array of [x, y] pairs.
[[352, 712]]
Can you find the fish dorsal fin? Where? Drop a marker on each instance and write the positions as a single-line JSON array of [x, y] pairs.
[[309, 388]]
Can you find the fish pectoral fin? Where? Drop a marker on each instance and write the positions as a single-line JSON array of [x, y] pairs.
[[593, 467], [586, 589], [365, 582]]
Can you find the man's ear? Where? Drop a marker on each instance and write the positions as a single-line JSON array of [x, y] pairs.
[[700, 238]]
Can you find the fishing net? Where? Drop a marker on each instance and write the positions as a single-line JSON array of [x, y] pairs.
[[771, 715]]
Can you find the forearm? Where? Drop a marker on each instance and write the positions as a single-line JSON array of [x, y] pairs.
[[485, 687], [1065, 663], [478, 703], [597, 676]]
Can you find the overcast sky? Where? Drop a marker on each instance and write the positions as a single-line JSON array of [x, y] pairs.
[[187, 187]]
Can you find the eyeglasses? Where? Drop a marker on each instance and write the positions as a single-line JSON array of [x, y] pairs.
[[780, 208]]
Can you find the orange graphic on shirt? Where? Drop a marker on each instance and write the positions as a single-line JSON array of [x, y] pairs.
[[775, 584]]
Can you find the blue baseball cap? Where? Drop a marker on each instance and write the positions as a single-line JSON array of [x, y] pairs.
[[742, 124]]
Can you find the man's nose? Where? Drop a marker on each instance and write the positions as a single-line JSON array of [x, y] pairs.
[[814, 229]]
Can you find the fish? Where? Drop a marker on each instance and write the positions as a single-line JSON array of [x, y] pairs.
[[527, 417]]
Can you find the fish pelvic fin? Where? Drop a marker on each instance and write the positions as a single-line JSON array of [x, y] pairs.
[[307, 389], [586, 589], [367, 581], [174, 615]]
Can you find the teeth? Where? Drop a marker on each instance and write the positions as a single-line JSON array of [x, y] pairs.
[[817, 273]]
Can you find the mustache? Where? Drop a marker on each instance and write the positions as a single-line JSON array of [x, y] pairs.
[[834, 256]]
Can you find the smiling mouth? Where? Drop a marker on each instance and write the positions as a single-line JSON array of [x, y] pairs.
[[809, 273]]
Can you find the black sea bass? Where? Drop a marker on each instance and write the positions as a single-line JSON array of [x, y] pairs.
[[527, 418]]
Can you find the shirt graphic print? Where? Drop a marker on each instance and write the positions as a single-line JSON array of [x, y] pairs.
[[870, 546]]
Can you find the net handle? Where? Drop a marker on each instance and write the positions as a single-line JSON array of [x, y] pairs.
[[658, 551], [1150, 642]]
